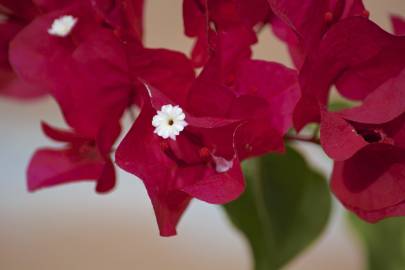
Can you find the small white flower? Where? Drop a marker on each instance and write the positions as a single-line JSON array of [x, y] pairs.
[[3, 18], [62, 26], [169, 121]]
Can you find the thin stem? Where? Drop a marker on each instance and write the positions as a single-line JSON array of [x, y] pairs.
[[314, 139], [315, 132], [132, 113]]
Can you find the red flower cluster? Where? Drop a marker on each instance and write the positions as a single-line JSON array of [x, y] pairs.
[[366, 64], [193, 131]]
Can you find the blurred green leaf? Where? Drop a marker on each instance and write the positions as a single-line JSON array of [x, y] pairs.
[[384, 242], [285, 207], [339, 102], [338, 105]]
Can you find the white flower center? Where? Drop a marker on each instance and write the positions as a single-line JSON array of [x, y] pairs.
[[169, 121], [62, 26]]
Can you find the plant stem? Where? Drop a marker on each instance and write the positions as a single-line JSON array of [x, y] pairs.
[[132, 114]]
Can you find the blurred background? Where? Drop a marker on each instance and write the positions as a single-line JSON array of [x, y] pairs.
[[70, 227]]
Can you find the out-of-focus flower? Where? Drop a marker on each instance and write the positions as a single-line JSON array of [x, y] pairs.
[[356, 61], [204, 19], [302, 24], [93, 71], [124, 16], [367, 144], [14, 15], [80, 160]]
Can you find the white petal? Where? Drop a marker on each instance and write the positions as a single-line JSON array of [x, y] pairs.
[[181, 116], [157, 120], [158, 130], [175, 132], [183, 123], [167, 109], [178, 127], [221, 164], [177, 110]]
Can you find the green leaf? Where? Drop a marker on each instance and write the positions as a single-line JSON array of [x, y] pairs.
[[339, 102], [339, 105], [285, 207], [384, 242]]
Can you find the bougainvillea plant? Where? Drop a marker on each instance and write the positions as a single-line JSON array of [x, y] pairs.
[[203, 115]]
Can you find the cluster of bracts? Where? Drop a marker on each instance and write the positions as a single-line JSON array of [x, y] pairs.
[[193, 131]]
